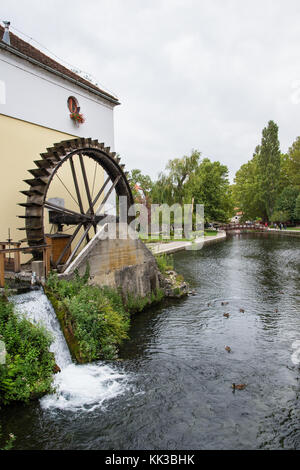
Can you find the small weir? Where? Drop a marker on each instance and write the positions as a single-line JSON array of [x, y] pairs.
[[84, 387]]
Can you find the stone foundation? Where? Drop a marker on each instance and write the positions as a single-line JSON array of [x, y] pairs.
[[126, 264]]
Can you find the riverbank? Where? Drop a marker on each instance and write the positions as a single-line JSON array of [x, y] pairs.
[[175, 246], [288, 233]]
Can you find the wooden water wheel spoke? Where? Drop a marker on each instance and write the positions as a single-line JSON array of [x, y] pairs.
[[101, 191], [78, 244], [68, 245], [77, 191], [69, 192], [63, 210], [42, 187], [76, 185], [94, 179], [108, 194], [86, 183]]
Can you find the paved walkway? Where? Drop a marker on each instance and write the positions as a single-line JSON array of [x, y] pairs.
[[173, 247], [291, 233]]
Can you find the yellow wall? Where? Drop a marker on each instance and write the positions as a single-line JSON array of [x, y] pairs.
[[20, 144]]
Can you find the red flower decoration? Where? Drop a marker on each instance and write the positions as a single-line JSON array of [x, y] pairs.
[[77, 118]]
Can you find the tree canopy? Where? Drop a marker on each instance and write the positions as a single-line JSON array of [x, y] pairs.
[[189, 180], [268, 185]]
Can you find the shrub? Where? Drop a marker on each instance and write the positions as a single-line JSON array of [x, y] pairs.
[[28, 370], [280, 216], [93, 319], [136, 304]]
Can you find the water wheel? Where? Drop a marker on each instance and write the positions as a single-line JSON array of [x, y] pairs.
[[74, 165]]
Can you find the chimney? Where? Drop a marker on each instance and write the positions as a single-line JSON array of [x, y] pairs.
[[6, 37]]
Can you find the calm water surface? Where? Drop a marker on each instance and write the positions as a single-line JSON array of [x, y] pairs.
[[178, 391]]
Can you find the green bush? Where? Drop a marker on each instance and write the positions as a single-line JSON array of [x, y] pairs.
[[28, 370], [164, 263], [93, 319], [280, 216], [136, 304]]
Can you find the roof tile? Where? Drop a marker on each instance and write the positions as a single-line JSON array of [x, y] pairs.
[[30, 51]]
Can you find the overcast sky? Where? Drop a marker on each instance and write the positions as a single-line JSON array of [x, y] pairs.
[[203, 74]]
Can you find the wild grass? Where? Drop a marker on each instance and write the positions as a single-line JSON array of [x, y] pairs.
[[164, 262]]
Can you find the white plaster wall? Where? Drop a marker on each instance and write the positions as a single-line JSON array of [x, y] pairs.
[[32, 94]]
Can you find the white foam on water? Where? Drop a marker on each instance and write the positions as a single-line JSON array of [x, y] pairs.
[[83, 387]]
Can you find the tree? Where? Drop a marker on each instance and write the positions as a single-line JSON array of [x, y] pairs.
[[209, 185], [246, 190], [294, 163], [297, 208], [139, 182], [286, 202], [171, 184], [284, 179], [280, 216], [268, 167]]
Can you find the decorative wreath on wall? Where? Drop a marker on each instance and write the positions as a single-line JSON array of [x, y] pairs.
[[74, 109], [77, 118]]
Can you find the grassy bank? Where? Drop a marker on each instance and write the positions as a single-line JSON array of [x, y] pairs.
[[93, 320], [207, 233], [28, 369]]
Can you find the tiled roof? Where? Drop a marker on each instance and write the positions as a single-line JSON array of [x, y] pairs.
[[30, 51]]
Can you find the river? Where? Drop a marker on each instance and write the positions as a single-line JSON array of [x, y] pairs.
[[173, 387]]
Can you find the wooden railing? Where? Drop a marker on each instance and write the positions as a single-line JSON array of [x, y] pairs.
[[17, 250], [15, 263], [233, 226]]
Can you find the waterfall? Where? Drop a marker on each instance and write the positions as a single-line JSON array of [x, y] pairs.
[[83, 387], [35, 306]]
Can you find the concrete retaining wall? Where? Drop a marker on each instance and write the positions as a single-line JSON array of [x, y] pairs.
[[125, 264], [173, 247]]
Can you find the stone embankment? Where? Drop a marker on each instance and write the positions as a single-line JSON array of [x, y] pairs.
[[173, 284], [173, 247]]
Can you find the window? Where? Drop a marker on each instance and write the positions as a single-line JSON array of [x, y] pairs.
[[73, 105]]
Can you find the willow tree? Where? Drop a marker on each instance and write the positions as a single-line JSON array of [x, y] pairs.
[[268, 166], [172, 183]]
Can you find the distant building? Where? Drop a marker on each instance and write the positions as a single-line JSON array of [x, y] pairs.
[[237, 217], [37, 96]]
